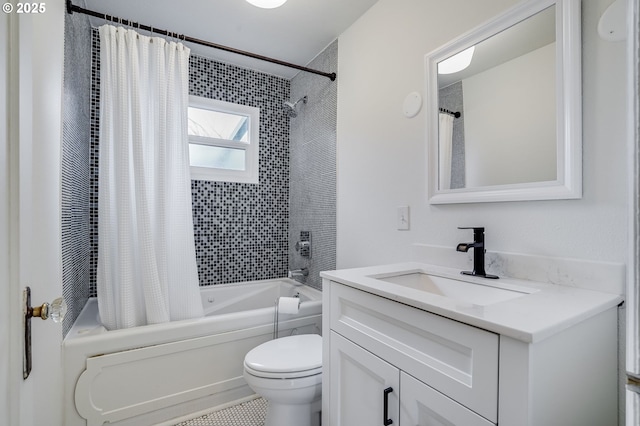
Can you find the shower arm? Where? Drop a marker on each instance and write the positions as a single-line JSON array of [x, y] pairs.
[[73, 8]]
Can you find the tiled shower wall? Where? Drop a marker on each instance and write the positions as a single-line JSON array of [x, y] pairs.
[[76, 245], [312, 199], [240, 229]]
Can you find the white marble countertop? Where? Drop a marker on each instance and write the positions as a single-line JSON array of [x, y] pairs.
[[543, 309]]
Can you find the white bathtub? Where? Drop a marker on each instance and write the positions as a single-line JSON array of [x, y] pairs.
[[152, 374]]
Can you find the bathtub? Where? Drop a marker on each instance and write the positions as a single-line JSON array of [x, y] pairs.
[[156, 373]]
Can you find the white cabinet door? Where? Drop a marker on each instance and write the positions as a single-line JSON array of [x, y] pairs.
[[421, 405], [358, 383]]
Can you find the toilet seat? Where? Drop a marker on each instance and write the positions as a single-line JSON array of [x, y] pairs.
[[286, 358]]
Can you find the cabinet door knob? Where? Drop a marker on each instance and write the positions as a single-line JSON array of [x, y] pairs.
[[386, 421]]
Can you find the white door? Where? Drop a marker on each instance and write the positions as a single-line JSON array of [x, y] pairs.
[[30, 248], [7, 379], [358, 383]]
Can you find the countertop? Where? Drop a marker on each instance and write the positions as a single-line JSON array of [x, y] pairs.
[[544, 309]]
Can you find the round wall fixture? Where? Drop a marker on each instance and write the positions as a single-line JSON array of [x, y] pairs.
[[412, 104], [612, 25]]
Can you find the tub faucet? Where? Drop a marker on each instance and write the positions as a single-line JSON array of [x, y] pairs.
[[304, 272], [478, 253]]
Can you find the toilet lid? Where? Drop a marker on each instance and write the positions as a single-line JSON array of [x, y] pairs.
[[292, 354]]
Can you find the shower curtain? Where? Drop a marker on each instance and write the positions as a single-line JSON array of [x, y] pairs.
[[445, 147], [147, 269]]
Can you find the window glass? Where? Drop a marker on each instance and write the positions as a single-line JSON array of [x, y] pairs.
[[216, 124], [216, 157], [223, 140]]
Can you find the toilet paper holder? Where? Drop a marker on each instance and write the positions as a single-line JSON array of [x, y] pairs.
[[276, 313]]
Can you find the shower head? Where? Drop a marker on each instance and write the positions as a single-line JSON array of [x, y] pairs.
[[290, 107]]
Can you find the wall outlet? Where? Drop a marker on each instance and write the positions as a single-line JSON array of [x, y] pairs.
[[403, 218]]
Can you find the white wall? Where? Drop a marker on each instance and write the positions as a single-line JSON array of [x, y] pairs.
[[512, 138], [381, 154]]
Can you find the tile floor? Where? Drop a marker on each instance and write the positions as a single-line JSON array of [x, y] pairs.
[[250, 413]]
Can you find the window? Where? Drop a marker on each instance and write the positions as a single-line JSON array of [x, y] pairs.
[[223, 140]]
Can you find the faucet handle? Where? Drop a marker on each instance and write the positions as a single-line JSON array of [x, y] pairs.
[[475, 228], [304, 272]]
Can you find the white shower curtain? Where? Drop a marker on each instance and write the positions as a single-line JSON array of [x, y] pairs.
[[445, 147], [147, 269]]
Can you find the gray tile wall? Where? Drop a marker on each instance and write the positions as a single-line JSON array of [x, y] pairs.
[[241, 229], [451, 98], [312, 199], [94, 150], [76, 247]]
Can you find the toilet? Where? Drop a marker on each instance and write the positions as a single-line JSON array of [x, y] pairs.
[[287, 372]]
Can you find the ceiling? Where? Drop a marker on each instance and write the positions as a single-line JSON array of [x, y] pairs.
[[295, 32]]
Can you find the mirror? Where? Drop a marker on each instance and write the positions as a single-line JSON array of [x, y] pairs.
[[505, 125]]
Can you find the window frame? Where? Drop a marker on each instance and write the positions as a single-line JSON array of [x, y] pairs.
[[251, 148]]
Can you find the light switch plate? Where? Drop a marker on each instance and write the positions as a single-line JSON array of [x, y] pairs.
[[403, 218]]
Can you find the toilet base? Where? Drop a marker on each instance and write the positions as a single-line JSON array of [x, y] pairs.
[[292, 414], [290, 402], [287, 373]]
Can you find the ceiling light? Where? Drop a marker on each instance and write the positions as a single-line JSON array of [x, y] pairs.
[[267, 4], [457, 62]]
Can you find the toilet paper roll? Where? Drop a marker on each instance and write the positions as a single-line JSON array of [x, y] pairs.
[[288, 305]]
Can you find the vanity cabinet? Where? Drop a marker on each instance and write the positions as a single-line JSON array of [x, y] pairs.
[[369, 390], [446, 372]]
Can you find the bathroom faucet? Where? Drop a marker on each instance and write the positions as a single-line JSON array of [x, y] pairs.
[[478, 253], [304, 272]]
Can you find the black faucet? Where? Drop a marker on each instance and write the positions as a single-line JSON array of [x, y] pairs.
[[478, 253]]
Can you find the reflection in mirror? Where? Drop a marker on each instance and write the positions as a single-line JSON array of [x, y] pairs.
[[505, 125], [506, 96]]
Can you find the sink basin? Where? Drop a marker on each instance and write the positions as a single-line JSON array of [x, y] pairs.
[[477, 294]]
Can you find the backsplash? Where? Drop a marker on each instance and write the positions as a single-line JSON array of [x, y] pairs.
[[608, 277]]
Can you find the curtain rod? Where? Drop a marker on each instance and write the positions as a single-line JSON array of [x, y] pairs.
[[455, 114], [73, 8]]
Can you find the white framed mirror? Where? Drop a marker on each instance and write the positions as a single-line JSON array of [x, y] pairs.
[[508, 126]]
